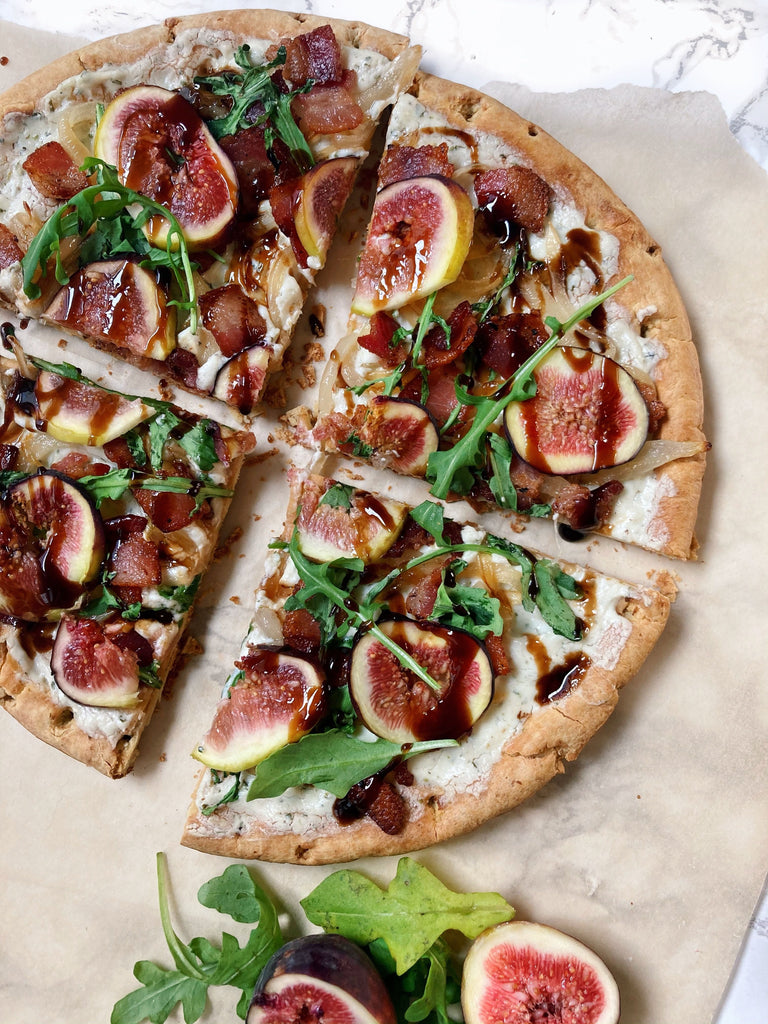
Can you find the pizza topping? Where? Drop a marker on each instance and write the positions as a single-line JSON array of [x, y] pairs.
[[441, 347], [329, 109], [400, 162], [522, 972], [233, 318], [10, 250], [401, 434], [398, 707], [240, 380], [274, 699], [162, 149], [314, 56], [253, 162], [324, 191], [380, 340], [420, 233], [135, 562], [513, 195], [506, 342], [79, 413], [91, 668], [342, 522], [587, 414], [53, 172], [117, 301]]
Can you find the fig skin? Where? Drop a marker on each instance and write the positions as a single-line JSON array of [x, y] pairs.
[[521, 972], [311, 971], [240, 380], [420, 234], [402, 433]]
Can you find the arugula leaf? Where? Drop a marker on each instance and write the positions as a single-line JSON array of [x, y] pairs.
[[360, 449], [111, 486], [425, 991], [553, 586], [160, 428], [200, 446], [333, 761], [467, 607], [482, 309], [338, 496], [500, 457], [148, 673], [229, 797], [9, 477], [182, 596], [431, 517], [115, 483], [410, 915]]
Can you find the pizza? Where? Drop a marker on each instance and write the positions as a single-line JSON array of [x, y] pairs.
[[110, 508], [170, 194], [405, 678], [497, 265]]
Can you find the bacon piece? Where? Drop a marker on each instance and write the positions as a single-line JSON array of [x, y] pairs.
[[421, 599], [10, 250], [122, 527], [315, 55], [604, 498], [441, 399], [301, 631], [183, 365], [402, 162], [381, 330], [233, 318], [528, 483], [657, 411], [497, 654], [76, 465], [507, 341], [575, 504], [514, 194], [388, 810], [136, 563], [463, 327], [328, 108], [53, 172], [256, 173], [167, 510], [117, 451]]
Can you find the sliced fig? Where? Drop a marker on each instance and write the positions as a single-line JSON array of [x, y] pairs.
[[398, 706], [120, 302], [162, 148], [359, 526], [401, 433], [325, 190], [278, 699], [522, 972], [91, 668], [233, 318], [587, 414], [81, 413], [240, 380], [320, 979], [420, 233]]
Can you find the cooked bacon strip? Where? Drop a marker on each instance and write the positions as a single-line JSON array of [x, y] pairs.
[[233, 318], [256, 172], [507, 341], [136, 563], [515, 194], [53, 172], [328, 108], [463, 325], [167, 510], [10, 250], [381, 330], [402, 162], [301, 631], [315, 55], [76, 465]]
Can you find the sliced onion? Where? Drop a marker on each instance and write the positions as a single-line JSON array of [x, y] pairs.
[[267, 624], [652, 455], [388, 86], [502, 579], [326, 390], [75, 122]]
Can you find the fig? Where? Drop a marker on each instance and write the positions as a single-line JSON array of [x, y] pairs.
[[162, 149], [320, 979], [402, 434], [366, 528], [52, 545], [587, 414], [398, 706], [278, 698], [521, 972], [420, 233], [92, 669], [120, 302], [240, 380], [325, 189], [81, 413]]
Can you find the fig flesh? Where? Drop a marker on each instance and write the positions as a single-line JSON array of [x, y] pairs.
[[240, 380], [398, 706], [420, 233], [90, 668], [587, 414], [80, 413], [320, 979], [162, 149], [401, 433], [120, 302], [521, 972], [325, 189], [52, 545], [365, 528], [278, 699]]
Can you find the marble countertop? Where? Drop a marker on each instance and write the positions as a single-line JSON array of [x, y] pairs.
[[716, 46]]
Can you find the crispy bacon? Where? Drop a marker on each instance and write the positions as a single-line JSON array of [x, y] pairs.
[[463, 327], [76, 465], [301, 631], [507, 341], [183, 365], [233, 318], [10, 250], [328, 108], [402, 162], [513, 194], [441, 399], [657, 411], [315, 55], [256, 172], [421, 599], [381, 330], [53, 172], [167, 510], [136, 563]]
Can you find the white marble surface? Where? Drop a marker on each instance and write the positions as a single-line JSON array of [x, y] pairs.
[[548, 46]]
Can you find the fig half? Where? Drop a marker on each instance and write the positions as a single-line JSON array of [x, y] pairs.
[[320, 979], [398, 706], [91, 668], [80, 413], [278, 698], [325, 189], [521, 972], [401, 433], [587, 414], [240, 380], [420, 233], [362, 526]]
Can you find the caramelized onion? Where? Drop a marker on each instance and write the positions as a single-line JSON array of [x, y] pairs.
[[652, 455], [74, 123], [387, 86]]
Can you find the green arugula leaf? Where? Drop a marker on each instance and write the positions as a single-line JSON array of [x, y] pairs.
[[500, 455], [338, 496], [482, 309], [360, 450], [431, 517], [553, 587], [425, 991], [182, 596], [229, 797], [148, 673], [9, 477], [333, 761], [160, 428], [410, 915], [115, 483], [61, 369], [466, 607], [200, 446], [162, 991], [111, 486]]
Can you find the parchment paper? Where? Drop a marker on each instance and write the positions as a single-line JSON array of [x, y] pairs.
[[652, 848]]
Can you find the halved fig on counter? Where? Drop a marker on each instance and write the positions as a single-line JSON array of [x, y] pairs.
[[401, 433], [320, 979], [240, 380], [278, 698], [120, 302], [324, 191], [587, 414], [52, 545], [91, 668], [359, 526], [398, 706], [79, 413], [420, 233], [162, 148], [522, 972]]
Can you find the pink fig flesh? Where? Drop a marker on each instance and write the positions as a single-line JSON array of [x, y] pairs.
[[402, 434], [90, 668], [240, 380]]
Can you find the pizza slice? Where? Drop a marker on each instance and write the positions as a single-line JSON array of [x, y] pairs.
[[170, 194], [515, 337], [405, 678], [110, 507]]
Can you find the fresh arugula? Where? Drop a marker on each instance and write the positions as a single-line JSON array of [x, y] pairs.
[[360, 450], [466, 607], [116, 482], [425, 992], [110, 216], [183, 597], [228, 797], [338, 496], [148, 674], [482, 309], [200, 445], [255, 86]]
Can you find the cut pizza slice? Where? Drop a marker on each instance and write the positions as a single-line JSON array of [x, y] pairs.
[[170, 194], [515, 336], [405, 678], [110, 508]]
